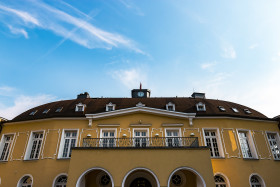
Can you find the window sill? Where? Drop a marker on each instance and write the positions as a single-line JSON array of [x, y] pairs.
[[68, 158], [217, 157], [250, 159], [31, 159]]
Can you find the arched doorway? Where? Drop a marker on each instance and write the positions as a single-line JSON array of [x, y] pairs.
[[95, 177], [140, 177], [185, 177]]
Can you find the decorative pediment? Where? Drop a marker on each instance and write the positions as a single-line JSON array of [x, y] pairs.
[[140, 104]]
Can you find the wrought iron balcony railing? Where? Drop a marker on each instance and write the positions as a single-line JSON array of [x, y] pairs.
[[141, 142]]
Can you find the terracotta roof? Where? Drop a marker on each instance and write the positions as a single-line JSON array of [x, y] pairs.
[[98, 105]]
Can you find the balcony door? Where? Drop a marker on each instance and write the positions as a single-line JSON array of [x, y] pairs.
[[172, 137], [141, 138], [108, 138]]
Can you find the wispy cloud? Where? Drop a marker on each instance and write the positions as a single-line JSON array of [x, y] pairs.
[[208, 65], [18, 31], [228, 52], [253, 46], [73, 25], [23, 103], [130, 5], [130, 77]]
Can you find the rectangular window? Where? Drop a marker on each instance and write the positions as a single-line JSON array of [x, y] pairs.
[[140, 138], [70, 138], [212, 142], [274, 145], [108, 138], [5, 147], [244, 144], [35, 144], [172, 138]]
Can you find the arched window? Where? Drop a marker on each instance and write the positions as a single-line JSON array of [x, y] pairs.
[[220, 181], [61, 181], [255, 181], [26, 182]]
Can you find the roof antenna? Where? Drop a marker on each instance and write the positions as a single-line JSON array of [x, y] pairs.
[[140, 86]]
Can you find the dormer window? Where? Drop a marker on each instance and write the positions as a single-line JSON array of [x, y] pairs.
[[80, 107], [110, 107], [46, 111], [247, 111], [221, 108], [200, 106], [170, 106], [235, 110], [59, 109], [32, 113]]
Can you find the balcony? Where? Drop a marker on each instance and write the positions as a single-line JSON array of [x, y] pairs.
[[165, 142]]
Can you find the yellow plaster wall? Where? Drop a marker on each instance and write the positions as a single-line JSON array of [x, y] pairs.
[[48, 166]]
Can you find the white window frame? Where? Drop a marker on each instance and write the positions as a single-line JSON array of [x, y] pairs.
[[277, 141], [170, 104], [19, 184], [101, 144], [251, 143], [219, 141], [62, 142], [147, 136], [59, 175], [110, 105], [259, 178], [29, 145], [179, 135], [200, 104], [2, 144], [80, 105]]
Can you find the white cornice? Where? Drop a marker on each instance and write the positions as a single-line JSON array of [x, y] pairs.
[[46, 119], [235, 118], [142, 109]]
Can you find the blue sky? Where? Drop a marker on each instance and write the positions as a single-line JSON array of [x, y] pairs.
[[54, 50]]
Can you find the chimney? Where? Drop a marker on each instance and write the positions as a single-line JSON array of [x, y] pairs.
[[198, 95], [83, 95]]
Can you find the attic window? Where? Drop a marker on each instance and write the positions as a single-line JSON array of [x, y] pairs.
[[170, 106], [32, 113], [59, 109], [46, 111], [80, 107], [110, 107], [235, 110], [200, 106], [221, 108], [247, 111]]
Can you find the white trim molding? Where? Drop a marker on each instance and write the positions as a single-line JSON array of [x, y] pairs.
[[142, 109]]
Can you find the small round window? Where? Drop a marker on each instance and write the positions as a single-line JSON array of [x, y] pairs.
[[177, 180], [104, 180]]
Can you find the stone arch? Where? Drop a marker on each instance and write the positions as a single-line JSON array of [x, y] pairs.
[[185, 175], [145, 173], [94, 174]]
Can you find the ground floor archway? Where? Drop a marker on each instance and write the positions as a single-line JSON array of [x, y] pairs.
[[185, 177], [140, 177], [95, 177]]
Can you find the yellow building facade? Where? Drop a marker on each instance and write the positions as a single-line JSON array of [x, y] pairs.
[[140, 141]]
